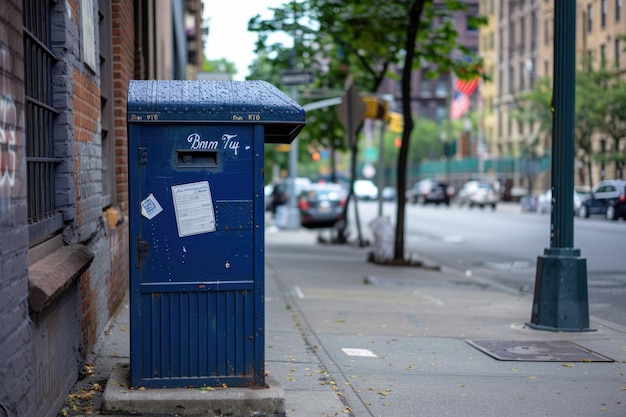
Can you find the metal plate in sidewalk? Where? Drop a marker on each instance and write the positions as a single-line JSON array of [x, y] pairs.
[[551, 351]]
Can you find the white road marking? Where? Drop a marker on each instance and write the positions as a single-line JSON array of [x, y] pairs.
[[359, 352], [299, 292]]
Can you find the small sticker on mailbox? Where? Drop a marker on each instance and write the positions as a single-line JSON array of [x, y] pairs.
[[193, 205], [150, 207]]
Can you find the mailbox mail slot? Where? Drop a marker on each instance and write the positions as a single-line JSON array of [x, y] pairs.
[[196, 228]]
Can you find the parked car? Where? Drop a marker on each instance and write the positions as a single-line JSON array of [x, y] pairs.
[[280, 193], [607, 198], [477, 193], [544, 201], [322, 205], [429, 191], [529, 203], [389, 193], [365, 190]]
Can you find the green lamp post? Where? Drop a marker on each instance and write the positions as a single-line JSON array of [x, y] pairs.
[[561, 301]]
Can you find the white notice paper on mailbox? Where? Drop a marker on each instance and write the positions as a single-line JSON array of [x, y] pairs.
[[193, 205]]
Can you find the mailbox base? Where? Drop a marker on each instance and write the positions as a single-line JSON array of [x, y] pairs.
[[237, 401]]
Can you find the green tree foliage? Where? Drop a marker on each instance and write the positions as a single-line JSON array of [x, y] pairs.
[[368, 40], [534, 106], [588, 114], [600, 109], [611, 115], [221, 66]]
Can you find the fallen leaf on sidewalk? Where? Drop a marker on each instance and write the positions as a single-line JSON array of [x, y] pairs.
[[568, 365]]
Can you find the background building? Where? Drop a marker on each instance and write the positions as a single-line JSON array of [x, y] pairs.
[[517, 48], [523, 39]]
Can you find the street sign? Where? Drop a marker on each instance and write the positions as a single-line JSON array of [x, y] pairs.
[[329, 102], [351, 111], [370, 154], [296, 77]]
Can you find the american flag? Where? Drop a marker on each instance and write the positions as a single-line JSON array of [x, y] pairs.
[[460, 104], [461, 93], [466, 87]]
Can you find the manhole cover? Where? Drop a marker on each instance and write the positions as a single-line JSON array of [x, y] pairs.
[[556, 351]]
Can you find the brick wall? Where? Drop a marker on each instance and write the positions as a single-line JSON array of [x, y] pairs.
[[16, 378], [88, 190], [43, 350], [123, 71]]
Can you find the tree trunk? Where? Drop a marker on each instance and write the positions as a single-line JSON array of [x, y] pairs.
[[619, 164], [415, 15], [590, 171]]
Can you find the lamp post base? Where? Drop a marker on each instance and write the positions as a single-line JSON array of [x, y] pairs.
[[560, 302]]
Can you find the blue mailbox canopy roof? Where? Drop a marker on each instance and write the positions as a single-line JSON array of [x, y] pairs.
[[207, 101]]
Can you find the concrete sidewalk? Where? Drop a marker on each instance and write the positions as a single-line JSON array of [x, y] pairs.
[[348, 337], [417, 322]]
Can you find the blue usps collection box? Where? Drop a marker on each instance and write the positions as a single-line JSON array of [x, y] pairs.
[[195, 173]]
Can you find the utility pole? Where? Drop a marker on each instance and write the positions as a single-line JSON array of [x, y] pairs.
[[561, 302]]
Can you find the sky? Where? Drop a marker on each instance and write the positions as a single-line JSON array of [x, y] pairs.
[[228, 35]]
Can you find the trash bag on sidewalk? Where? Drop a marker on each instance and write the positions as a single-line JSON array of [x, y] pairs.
[[281, 219], [383, 238]]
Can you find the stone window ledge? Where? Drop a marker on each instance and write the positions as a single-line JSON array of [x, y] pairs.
[[54, 273]]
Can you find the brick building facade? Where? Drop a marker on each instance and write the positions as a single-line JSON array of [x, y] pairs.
[[65, 67]]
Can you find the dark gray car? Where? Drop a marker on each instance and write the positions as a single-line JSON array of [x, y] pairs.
[[322, 205], [607, 198], [429, 191]]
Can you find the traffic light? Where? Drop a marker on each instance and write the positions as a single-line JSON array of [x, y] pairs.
[[395, 122], [375, 108]]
